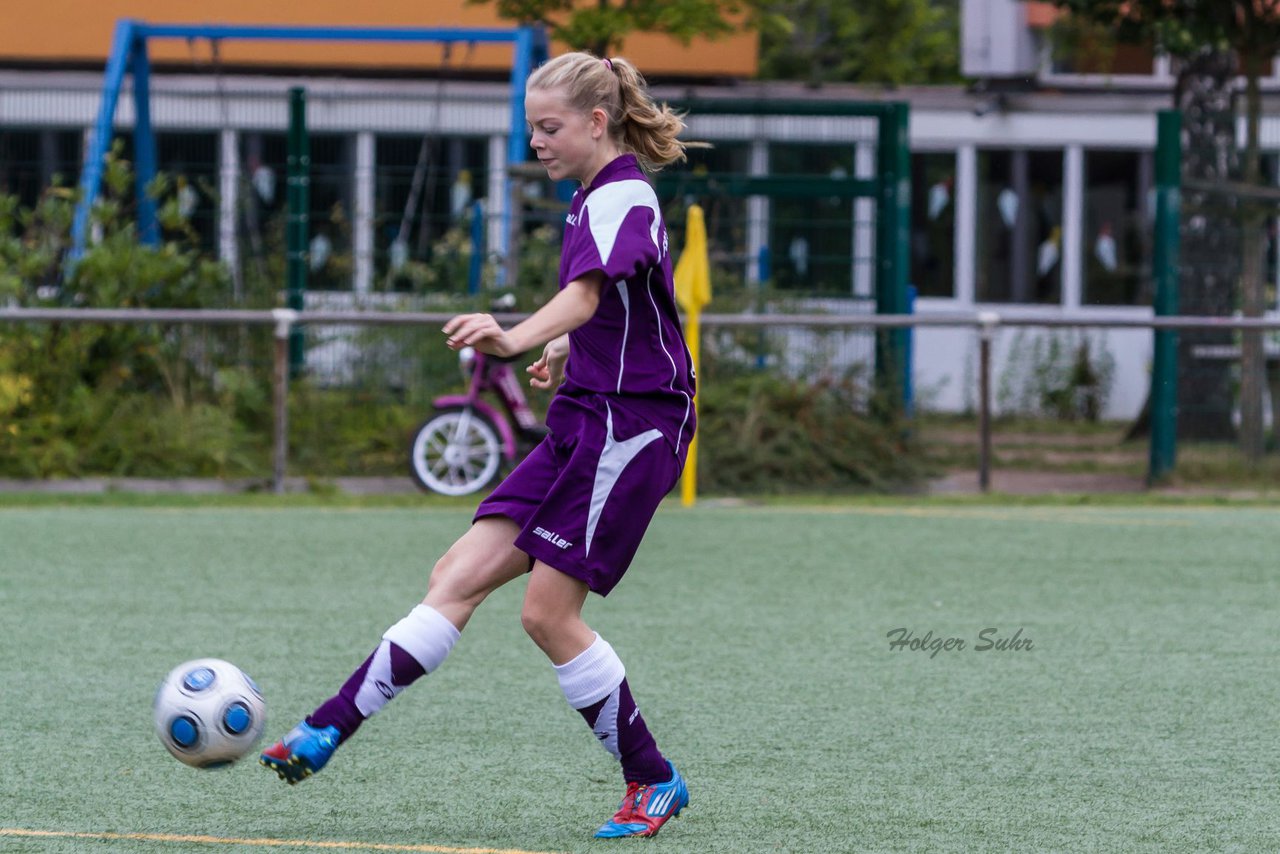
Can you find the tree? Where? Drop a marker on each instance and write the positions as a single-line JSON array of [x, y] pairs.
[[1251, 30], [602, 25], [892, 42]]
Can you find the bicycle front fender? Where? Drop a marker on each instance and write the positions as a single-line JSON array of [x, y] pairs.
[[499, 421]]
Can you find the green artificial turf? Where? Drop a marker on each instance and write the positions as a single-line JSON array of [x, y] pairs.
[[1143, 718]]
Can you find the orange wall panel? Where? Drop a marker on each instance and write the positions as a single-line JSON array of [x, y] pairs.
[[79, 31], [1041, 15]]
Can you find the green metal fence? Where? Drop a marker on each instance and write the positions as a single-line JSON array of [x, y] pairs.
[[808, 201]]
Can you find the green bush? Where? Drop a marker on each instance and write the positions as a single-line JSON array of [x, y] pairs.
[[1064, 375], [334, 433], [761, 433], [79, 398]]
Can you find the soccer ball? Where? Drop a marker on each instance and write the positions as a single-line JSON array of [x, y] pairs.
[[209, 713]]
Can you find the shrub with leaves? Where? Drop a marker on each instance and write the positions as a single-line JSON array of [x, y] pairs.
[[80, 398], [762, 433], [1067, 376]]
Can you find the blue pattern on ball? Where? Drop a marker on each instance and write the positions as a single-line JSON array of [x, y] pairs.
[[236, 719], [184, 731], [199, 679]]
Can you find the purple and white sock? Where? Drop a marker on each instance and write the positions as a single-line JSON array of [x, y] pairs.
[[410, 649], [595, 683]]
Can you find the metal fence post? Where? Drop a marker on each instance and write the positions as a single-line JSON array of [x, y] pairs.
[[296, 233], [1164, 369], [144, 147], [893, 235], [123, 43], [987, 323], [909, 357], [475, 270], [285, 319]]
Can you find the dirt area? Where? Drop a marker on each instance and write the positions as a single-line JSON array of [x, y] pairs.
[[1046, 458], [1018, 438], [1016, 482]]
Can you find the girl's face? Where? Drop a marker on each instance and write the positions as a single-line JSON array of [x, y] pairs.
[[572, 145]]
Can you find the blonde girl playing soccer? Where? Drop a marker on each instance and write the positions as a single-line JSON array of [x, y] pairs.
[[573, 513]]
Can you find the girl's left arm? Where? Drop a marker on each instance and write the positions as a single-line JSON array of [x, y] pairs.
[[548, 372], [567, 310]]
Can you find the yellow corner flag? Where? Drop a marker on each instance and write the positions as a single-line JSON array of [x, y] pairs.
[[693, 272], [693, 291]]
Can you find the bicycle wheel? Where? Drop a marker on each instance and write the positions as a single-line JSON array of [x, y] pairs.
[[455, 453]]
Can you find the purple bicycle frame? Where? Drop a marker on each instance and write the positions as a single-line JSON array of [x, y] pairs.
[[490, 374]]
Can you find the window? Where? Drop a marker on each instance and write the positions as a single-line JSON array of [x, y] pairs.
[[30, 160], [1019, 229], [451, 176], [1080, 47], [811, 239], [1118, 223], [191, 161], [933, 223], [264, 164]]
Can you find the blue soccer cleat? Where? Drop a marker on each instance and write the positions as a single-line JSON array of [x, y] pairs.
[[645, 809], [302, 752]]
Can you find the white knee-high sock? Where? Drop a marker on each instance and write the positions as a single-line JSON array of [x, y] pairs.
[[590, 679], [592, 675], [426, 636], [595, 683]]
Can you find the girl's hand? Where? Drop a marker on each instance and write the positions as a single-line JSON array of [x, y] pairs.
[[548, 372], [480, 331], [573, 306]]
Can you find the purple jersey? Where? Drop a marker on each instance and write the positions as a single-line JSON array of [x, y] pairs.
[[632, 349]]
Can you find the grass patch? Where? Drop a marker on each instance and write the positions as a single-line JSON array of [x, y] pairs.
[[756, 639]]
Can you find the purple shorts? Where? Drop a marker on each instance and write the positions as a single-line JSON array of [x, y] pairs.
[[584, 497]]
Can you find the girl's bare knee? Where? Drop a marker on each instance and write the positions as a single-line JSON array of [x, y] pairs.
[[538, 622], [558, 631]]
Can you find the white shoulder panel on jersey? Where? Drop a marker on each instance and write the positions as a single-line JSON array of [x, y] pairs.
[[609, 206]]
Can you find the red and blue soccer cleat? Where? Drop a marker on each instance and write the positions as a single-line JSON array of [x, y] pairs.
[[302, 752], [646, 808]]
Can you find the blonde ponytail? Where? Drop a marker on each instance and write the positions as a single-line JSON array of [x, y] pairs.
[[637, 123], [649, 130]]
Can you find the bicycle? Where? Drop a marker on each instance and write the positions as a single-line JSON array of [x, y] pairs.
[[460, 450]]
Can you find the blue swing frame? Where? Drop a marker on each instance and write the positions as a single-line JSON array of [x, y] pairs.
[[129, 55]]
